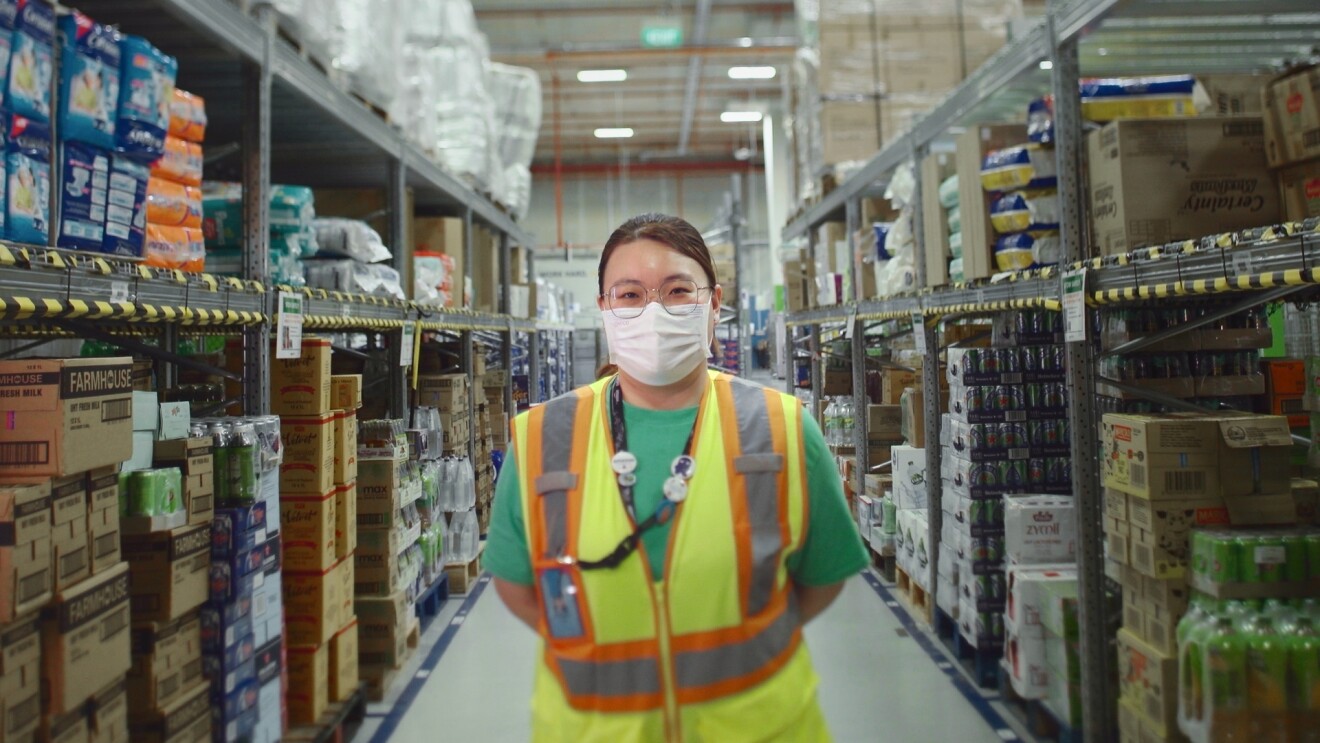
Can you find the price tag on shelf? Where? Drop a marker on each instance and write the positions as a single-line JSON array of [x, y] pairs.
[[118, 291], [406, 348], [919, 331], [1074, 306], [1242, 263], [289, 326], [345, 310]]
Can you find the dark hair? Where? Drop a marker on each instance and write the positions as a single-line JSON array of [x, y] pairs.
[[675, 232]]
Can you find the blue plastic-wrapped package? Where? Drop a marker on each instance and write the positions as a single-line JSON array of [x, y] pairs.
[[146, 90], [84, 185], [126, 211], [89, 81], [8, 16], [31, 60], [27, 206]]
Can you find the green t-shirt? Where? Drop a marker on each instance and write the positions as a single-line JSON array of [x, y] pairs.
[[831, 552]]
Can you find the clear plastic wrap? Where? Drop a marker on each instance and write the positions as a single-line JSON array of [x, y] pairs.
[[1022, 167], [349, 238], [1026, 211], [352, 276], [516, 93]]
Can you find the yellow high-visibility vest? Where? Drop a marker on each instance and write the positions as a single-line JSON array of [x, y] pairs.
[[713, 651]]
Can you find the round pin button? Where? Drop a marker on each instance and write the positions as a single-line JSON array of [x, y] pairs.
[[676, 489], [684, 466], [627, 480], [624, 463]]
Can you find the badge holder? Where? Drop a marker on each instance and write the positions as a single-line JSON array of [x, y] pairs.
[[561, 602]]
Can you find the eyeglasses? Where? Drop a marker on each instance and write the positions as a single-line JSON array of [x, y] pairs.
[[627, 299]]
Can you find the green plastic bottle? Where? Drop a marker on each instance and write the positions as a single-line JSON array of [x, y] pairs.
[[1304, 680], [1191, 666], [1267, 681], [1228, 712]]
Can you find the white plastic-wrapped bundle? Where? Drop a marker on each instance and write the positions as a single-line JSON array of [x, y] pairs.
[[516, 92], [440, 22], [353, 276], [349, 238], [370, 44], [518, 189], [413, 108], [465, 114]]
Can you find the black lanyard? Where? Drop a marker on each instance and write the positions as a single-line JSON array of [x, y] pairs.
[[662, 514]]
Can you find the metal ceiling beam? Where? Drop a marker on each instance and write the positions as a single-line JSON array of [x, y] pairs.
[[683, 166], [615, 8], [785, 46], [699, 24]]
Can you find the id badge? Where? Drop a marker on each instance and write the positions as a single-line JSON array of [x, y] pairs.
[[560, 601]]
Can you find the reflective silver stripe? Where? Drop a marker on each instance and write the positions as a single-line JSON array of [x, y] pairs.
[[556, 449], [611, 678], [700, 668], [756, 442], [750, 463]]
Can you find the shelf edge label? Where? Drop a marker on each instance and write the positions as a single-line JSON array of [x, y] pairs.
[[289, 326]]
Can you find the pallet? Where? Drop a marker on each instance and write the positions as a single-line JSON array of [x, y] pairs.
[[433, 598], [1034, 715], [918, 600], [885, 565], [338, 724], [463, 575], [982, 664]]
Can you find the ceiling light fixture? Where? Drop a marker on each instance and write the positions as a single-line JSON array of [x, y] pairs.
[[751, 73], [602, 76], [740, 117], [1046, 65], [614, 133]]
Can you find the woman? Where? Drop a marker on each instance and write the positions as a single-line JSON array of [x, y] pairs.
[[726, 487]]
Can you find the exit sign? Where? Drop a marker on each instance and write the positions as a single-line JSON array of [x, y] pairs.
[[662, 33]]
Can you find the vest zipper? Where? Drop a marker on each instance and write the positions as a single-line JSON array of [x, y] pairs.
[[672, 719]]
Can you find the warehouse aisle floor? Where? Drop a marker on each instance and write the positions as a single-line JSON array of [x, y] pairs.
[[878, 682]]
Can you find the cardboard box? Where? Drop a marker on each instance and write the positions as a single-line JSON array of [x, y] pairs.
[[65, 416], [20, 679], [345, 446], [1148, 679], [448, 393], [344, 663], [893, 382], [107, 714], [67, 728], [345, 520], [1025, 607], [309, 683], [1160, 180], [1292, 110], [187, 720], [346, 391], [103, 539], [85, 639], [978, 233], [935, 169], [170, 572], [314, 603], [309, 454], [1299, 188], [884, 421], [26, 571], [70, 552], [167, 662], [1255, 454], [445, 235], [1116, 504], [1039, 529], [195, 460], [308, 531], [301, 386], [1161, 532], [1161, 456]]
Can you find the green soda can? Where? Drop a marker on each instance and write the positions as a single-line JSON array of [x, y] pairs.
[[220, 460], [243, 464], [144, 498], [1313, 555], [171, 494], [1267, 681], [1270, 558], [1223, 557], [1296, 567]]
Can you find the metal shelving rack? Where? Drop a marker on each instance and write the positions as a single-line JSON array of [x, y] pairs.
[[278, 114], [1098, 38]]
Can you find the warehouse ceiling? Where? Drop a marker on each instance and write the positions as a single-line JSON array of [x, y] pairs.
[[672, 98]]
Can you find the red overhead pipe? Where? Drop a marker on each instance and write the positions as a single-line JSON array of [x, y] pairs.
[[559, 165]]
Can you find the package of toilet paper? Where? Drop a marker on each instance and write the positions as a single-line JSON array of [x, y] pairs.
[[146, 94], [8, 16], [31, 60], [84, 188], [89, 81], [126, 209], [27, 156]]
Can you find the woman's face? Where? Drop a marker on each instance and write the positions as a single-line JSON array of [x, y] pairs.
[[653, 263]]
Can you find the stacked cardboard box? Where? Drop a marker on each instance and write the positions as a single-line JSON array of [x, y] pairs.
[[1292, 139], [1040, 547], [449, 394], [1164, 476]]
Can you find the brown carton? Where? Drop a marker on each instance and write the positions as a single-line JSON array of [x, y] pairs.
[[65, 416], [307, 528], [1255, 454], [107, 714], [446, 392], [1148, 679], [345, 520], [26, 576], [309, 454], [346, 391], [884, 422], [445, 235], [186, 720], [1299, 187], [1292, 109], [314, 603], [894, 382], [167, 662], [301, 386], [345, 446], [170, 572], [103, 539], [344, 663], [1160, 180], [1160, 456], [70, 727], [309, 683], [1162, 532], [20, 679], [85, 639]]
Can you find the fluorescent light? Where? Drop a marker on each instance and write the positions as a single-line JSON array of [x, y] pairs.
[[751, 73], [602, 76], [616, 133], [1046, 65], [746, 42], [740, 117]]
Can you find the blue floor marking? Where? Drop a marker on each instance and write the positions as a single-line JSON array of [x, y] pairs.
[[964, 687], [410, 693]]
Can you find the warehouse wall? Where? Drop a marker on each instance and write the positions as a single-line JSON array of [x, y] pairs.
[[595, 205]]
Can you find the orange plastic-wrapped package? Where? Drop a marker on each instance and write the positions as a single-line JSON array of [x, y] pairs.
[[194, 259], [188, 116], [165, 247], [181, 163], [173, 204]]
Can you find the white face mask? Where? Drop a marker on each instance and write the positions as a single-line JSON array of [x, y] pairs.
[[657, 348]]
